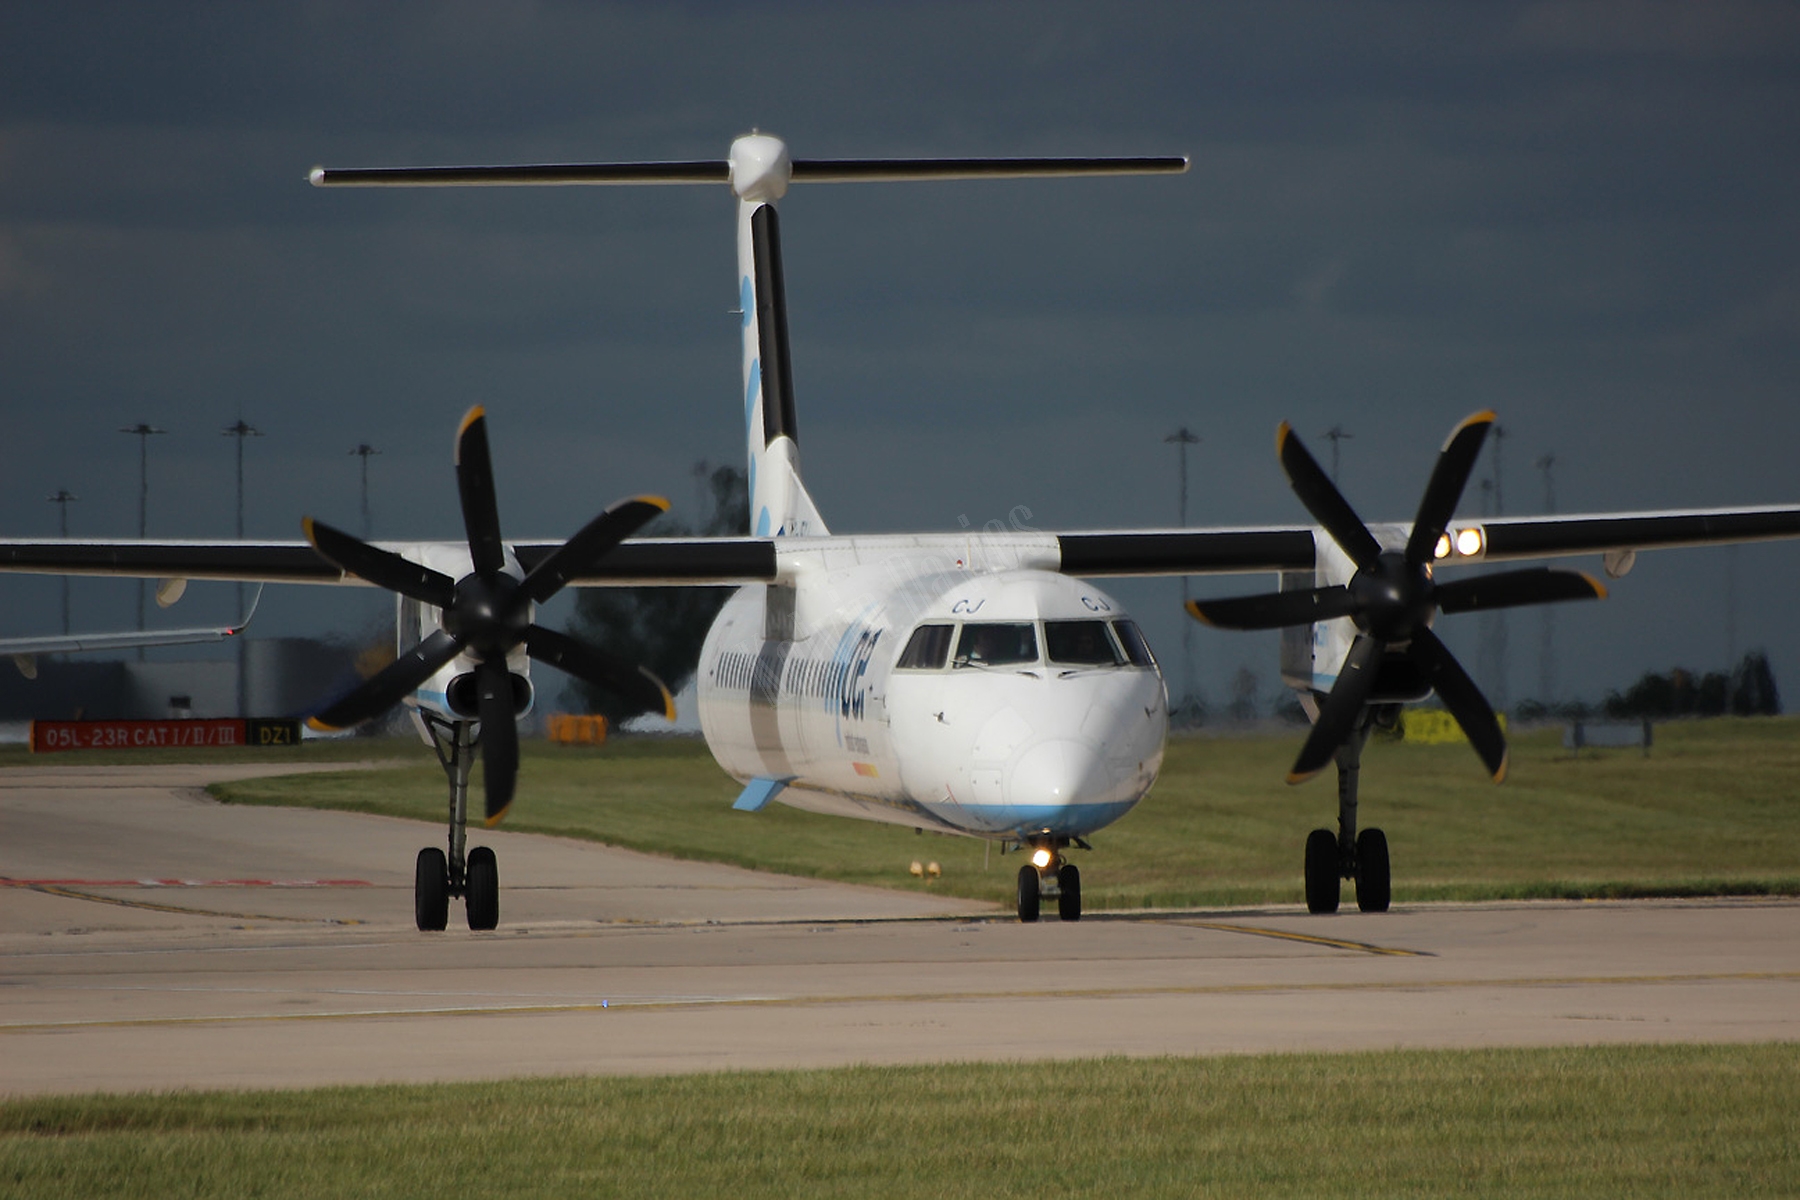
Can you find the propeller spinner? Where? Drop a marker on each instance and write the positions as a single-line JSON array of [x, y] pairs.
[[487, 613], [1393, 599]]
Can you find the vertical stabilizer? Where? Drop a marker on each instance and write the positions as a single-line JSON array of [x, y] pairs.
[[779, 503]]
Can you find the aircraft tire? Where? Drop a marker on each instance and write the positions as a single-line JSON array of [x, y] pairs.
[[1068, 898], [1373, 890], [1029, 894], [483, 889], [431, 890], [1322, 879]]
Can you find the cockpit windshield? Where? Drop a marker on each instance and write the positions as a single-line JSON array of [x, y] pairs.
[[1075, 644], [1079, 644], [996, 645], [1137, 650], [927, 649]]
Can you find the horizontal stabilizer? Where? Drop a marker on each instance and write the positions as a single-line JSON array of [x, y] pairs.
[[806, 170]]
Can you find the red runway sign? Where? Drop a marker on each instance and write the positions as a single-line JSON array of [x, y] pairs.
[[49, 736]]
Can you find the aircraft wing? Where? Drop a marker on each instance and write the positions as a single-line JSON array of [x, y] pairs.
[[24, 650], [243, 562], [1150, 552], [1510, 538], [651, 562], [634, 563], [1186, 551]]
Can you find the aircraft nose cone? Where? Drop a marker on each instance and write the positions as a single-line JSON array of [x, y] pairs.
[[1057, 773]]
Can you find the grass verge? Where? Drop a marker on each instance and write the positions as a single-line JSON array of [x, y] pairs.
[[1641, 1121], [1711, 811]]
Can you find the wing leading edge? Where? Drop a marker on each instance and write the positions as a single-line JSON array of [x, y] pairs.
[[654, 562], [647, 562]]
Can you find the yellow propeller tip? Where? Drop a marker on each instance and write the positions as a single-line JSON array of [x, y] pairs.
[[497, 817], [1195, 611], [1300, 776], [318, 726], [469, 418]]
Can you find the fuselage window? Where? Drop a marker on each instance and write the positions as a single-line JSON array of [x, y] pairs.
[[1079, 644], [926, 649], [1137, 650], [994, 645]]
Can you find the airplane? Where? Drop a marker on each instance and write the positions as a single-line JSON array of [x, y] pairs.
[[976, 683], [24, 651]]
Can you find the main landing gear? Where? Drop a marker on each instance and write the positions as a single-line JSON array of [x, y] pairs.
[[1362, 857], [1048, 876], [437, 876]]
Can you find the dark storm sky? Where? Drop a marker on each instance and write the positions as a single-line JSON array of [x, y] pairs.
[[1580, 215]]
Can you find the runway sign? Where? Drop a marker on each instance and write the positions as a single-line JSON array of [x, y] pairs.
[[50, 736]]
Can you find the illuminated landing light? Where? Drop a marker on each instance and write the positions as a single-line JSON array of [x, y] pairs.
[[1040, 858], [1442, 549], [1468, 541]]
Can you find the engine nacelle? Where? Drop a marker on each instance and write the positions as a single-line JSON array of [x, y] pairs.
[[465, 701]]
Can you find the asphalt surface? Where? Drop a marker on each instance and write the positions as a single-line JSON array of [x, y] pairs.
[[153, 940]]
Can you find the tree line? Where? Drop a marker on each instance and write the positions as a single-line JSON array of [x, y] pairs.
[[1746, 690]]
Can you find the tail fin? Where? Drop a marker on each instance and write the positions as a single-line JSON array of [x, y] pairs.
[[779, 503]]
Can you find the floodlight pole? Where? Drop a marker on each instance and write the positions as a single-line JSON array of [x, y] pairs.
[[1181, 439], [1337, 433], [62, 500], [363, 451], [143, 431], [1547, 648], [241, 430]]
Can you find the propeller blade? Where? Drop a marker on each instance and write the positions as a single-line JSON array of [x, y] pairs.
[[383, 568], [599, 535], [499, 736], [475, 485], [1509, 589], [1341, 711], [388, 686], [1448, 478], [1323, 500], [1464, 700], [1273, 610], [601, 669]]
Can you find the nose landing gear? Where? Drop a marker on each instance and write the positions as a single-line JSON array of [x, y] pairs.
[[1047, 875]]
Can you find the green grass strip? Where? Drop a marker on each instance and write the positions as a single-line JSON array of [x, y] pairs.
[[1709, 812], [1643, 1121]]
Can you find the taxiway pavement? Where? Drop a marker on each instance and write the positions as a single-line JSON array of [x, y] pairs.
[[151, 939]]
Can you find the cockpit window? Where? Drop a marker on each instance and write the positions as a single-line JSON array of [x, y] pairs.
[[1079, 644], [1137, 650], [994, 645], [926, 649]]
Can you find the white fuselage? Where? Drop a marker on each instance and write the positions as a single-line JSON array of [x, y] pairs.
[[811, 685]]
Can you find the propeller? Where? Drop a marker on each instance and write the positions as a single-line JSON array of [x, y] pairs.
[[1393, 600], [487, 613]]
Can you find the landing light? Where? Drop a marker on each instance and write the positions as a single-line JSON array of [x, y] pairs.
[[1040, 858], [1468, 541], [1442, 550]]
